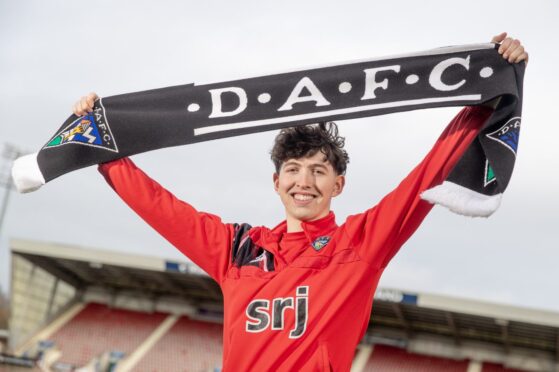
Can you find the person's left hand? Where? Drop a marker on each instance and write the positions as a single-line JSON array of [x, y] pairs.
[[511, 49]]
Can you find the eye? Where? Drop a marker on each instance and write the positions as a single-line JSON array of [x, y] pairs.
[[318, 171]]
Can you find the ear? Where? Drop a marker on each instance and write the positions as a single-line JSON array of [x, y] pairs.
[[339, 185], [275, 178]]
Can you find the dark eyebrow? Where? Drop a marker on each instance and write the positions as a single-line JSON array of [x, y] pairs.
[[290, 162], [319, 165], [313, 165]]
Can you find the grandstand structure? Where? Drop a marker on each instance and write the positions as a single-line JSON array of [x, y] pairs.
[[94, 310]]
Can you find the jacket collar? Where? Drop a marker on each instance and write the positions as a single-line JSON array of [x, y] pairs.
[[311, 229]]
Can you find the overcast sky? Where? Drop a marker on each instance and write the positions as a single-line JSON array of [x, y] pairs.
[[52, 52]]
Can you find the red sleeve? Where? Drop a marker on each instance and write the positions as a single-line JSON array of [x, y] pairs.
[[202, 237], [379, 232]]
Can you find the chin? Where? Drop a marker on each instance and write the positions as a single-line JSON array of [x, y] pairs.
[[307, 217]]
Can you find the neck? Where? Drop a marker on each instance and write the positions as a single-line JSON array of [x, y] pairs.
[[294, 225]]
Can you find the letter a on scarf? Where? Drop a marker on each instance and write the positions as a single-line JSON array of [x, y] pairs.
[[133, 123]]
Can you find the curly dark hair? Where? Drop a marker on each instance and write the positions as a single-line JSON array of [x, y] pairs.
[[307, 140]]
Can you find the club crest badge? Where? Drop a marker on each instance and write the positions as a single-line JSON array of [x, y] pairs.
[[88, 130], [508, 134], [320, 242]]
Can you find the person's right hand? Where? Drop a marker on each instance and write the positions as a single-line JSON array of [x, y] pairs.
[[85, 104]]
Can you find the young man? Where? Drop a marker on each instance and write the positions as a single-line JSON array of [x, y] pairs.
[[298, 297]]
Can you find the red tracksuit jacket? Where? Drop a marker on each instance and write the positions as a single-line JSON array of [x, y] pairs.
[[297, 301]]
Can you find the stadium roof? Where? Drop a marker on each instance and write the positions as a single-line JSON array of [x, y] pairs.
[[466, 320], [397, 315], [150, 276]]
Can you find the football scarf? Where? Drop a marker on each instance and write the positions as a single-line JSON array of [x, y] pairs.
[[133, 123]]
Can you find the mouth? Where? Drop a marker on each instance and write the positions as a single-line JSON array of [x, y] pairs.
[[302, 198]]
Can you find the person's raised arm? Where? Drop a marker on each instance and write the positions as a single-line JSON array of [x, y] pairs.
[[202, 237], [379, 232]]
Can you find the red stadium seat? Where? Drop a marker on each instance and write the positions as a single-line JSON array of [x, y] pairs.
[[493, 367], [98, 328], [189, 345]]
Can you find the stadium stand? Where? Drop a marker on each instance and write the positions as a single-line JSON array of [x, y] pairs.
[[494, 367], [111, 311], [8, 365], [194, 345], [389, 359], [98, 328], [6, 368]]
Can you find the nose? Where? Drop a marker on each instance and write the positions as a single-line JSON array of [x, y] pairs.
[[305, 179]]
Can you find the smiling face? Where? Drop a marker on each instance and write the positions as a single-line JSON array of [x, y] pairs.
[[306, 187]]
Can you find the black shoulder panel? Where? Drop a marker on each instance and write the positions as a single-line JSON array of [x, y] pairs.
[[245, 253]]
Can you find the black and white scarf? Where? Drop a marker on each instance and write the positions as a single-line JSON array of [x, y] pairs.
[[133, 123]]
